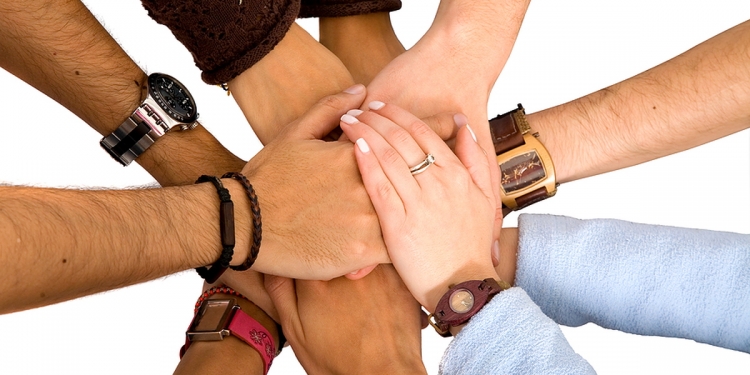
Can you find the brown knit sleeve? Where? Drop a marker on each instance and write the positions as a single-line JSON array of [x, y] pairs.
[[226, 37], [342, 8]]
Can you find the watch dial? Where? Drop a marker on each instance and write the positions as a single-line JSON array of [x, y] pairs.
[[172, 97], [461, 301], [521, 171]]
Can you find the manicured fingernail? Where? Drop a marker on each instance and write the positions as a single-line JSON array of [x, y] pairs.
[[363, 146], [471, 131], [496, 252], [356, 89], [349, 119], [354, 112], [460, 119], [375, 105]]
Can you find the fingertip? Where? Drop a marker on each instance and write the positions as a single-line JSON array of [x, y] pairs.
[[362, 145], [375, 105], [460, 119], [360, 273], [356, 89]]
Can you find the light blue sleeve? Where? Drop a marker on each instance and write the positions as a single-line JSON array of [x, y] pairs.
[[637, 278], [511, 335]]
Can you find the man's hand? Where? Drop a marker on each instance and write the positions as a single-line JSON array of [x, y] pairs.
[[342, 326], [318, 222]]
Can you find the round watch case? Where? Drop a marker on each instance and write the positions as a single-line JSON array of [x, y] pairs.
[[173, 98], [462, 302]]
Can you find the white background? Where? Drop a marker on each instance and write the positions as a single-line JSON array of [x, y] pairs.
[[566, 49]]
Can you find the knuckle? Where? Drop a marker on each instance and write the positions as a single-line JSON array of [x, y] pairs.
[[420, 129], [390, 156]]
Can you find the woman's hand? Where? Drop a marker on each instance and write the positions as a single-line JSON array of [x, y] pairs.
[[437, 225]]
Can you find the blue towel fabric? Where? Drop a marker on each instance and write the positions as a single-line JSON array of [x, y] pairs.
[[637, 278]]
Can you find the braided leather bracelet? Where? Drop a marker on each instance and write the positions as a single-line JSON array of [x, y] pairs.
[[257, 225], [226, 228]]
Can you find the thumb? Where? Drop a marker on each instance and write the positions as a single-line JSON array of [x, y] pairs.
[[284, 296], [443, 124], [325, 115]]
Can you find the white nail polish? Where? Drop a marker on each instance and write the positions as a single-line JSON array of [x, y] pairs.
[[375, 105], [349, 119], [363, 146], [471, 131], [354, 112]]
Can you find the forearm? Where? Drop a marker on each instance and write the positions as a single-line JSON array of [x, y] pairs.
[[62, 50], [287, 82], [62, 244], [696, 97], [364, 43], [479, 31], [515, 337], [637, 278]]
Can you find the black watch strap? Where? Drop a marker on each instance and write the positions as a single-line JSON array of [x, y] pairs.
[[128, 141]]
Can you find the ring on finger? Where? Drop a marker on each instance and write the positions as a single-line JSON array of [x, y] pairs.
[[422, 166]]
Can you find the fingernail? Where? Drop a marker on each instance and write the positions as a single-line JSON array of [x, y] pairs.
[[471, 131], [460, 119], [356, 89], [354, 112], [375, 105], [363, 146], [496, 252], [349, 119]]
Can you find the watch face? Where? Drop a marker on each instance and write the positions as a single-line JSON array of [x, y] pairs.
[[521, 172], [172, 97], [212, 315], [461, 301]]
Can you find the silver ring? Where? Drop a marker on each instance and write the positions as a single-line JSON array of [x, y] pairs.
[[421, 167]]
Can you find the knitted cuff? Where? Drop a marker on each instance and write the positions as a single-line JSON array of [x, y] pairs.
[[343, 8], [225, 37]]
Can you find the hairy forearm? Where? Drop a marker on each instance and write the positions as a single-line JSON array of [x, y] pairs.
[[696, 97], [62, 50], [62, 244]]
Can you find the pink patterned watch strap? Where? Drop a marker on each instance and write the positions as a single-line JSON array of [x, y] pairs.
[[254, 334]]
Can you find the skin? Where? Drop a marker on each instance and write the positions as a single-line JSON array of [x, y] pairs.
[[373, 328], [420, 225], [230, 355]]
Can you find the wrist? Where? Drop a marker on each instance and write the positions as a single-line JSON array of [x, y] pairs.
[[292, 77], [469, 272], [508, 242], [365, 43], [230, 354]]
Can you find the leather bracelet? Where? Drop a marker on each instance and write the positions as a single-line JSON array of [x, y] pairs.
[[257, 224], [226, 228]]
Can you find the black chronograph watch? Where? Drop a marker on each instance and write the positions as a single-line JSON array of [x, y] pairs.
[[527, 174], [168, 104]]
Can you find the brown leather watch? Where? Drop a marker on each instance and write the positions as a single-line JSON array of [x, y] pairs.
[[527, 174], [463, 301]]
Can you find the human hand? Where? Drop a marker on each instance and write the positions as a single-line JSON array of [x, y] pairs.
[[342, 326], [318, 222], [445, 73], [437, 225]]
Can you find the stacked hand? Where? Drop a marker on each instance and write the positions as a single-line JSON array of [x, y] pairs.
[[437, 225]]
